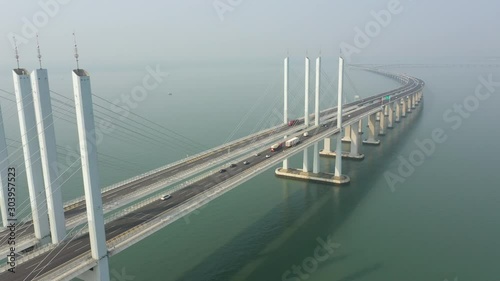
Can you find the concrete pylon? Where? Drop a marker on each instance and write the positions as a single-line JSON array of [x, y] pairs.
[[339, 178], [4, 165], [286, 71], [88, 152], [48, 153], [306, 93], [31, 151]]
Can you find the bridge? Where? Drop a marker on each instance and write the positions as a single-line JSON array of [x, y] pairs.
[[84, 254]]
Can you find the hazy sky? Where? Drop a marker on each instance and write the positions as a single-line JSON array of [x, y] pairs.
[[122, 32]]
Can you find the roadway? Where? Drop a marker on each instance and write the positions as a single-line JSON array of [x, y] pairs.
[[72, 249]]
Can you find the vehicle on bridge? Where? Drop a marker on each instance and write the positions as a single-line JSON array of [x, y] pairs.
[[165, 197], [276, 146], [293, 122], [291, 142]]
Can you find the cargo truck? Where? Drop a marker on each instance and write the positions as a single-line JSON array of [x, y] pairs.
[[291, 142], [276, 146]]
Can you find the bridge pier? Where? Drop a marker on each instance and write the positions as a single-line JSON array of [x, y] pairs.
[[4, 165], [27, 125], [403, 109], [355, 143], [316, 167], [327, 145], [347, 134], [382, 123], [390, 120], [305, 161], [337, 177], [413, 101], [372, 130], [360, 126], [90, 172], [398, 111], [408, 106]]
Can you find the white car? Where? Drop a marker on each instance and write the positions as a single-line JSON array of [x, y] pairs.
[[267, 155], [165, 197]]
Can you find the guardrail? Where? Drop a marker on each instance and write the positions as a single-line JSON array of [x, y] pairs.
[[71, 269]]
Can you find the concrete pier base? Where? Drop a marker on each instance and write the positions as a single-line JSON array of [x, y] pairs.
[[371, 142], [347, 134], [372, 131], [345, 155], [298, 174]]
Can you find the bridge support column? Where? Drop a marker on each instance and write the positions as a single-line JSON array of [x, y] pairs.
[[88, 152], [372, 130], [305, 161], [327, 145], [316, 99], [285, 101], [285, 162], [390, 120], [355, 143], [377, 116], [413, 101], [347, 134], [408, 105], [316, 158], [338, 177], [306, 94], [27, 125], [360, 126], [4, 165], [398, 111], [48, 152], [382, 123], [403, 109], [285, 91]]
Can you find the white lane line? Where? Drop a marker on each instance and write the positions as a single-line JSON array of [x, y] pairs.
[[75, 244], [80, 248]]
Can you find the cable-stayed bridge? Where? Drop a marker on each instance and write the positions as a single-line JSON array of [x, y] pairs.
[[193, 181]]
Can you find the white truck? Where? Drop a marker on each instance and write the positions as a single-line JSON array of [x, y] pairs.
[[291, 142]]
